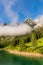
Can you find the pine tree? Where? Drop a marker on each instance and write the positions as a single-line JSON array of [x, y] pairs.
[[33, 39]]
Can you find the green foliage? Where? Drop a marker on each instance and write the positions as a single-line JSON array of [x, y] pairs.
[[41, 50], [32, 46], [33, 39], [39, 32], [29, 49], [21, 44]]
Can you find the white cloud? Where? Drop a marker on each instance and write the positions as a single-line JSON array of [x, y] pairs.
[[39, 20], [12, 15], [15, 31]]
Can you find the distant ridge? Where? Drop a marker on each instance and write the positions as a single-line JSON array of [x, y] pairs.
[[18, 29]]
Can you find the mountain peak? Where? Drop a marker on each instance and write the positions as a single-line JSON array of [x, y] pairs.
[[30, 22]]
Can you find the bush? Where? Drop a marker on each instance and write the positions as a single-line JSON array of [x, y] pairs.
[[41, 50]]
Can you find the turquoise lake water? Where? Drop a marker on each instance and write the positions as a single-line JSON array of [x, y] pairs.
[[10, 59]]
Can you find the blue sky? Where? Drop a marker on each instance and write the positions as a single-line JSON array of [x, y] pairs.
[[12, 11]]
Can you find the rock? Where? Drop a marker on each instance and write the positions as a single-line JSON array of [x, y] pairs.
[[29, 22]]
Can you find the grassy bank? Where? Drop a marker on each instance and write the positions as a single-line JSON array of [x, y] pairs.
[[24, 47]]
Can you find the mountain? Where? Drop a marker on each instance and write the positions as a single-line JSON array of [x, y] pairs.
[[33, 23], [38, 25], [29, 22], [18, 29]]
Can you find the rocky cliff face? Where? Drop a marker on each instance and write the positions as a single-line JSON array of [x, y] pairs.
[[29, 22], [33, 24]]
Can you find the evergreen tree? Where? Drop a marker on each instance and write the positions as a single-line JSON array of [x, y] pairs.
[[33, 39], [22, 44]]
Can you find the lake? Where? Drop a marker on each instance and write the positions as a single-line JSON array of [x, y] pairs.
[[11, 59]]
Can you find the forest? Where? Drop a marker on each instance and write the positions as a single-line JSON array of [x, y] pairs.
[[32, 42]]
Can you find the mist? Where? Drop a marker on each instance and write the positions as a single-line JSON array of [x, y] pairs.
[[39, 20], [15, 30]]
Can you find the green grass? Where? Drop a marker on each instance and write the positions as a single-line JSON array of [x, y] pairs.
[[37, 48], [7, 41], [39, 43]]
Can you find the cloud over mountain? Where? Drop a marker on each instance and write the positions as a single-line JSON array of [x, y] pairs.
[[24, 28], [15, 30], [39, 20]]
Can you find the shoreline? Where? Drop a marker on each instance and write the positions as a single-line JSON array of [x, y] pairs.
[[27, 54]]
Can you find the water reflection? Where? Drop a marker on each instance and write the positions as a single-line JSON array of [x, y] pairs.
[[10, 59]]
